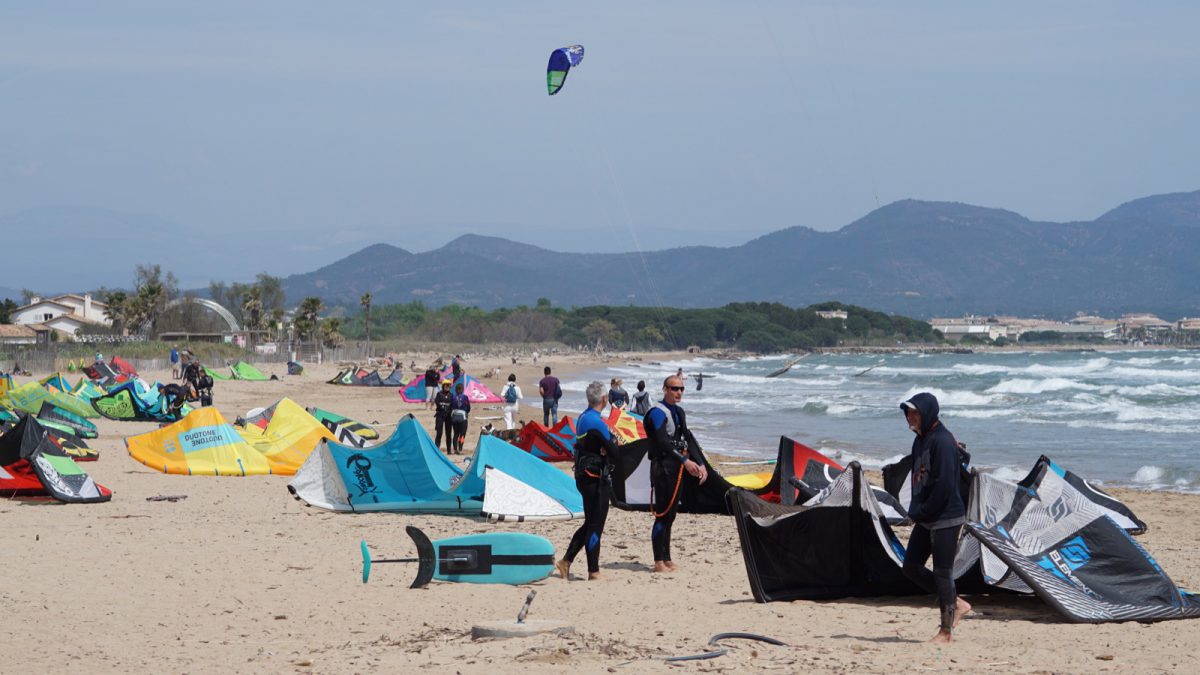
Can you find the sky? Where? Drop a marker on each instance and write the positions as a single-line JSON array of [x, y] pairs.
[[288, 134]]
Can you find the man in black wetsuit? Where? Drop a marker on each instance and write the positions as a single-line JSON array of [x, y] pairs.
[[937, 510], [593, 448], [441, 416], [670, 465]]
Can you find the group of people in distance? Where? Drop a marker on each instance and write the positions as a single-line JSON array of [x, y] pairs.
[[937, 508]]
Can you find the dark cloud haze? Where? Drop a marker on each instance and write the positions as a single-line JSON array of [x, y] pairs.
[[286, 134]]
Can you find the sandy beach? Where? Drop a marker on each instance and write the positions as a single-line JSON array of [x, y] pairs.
[[241, 577]]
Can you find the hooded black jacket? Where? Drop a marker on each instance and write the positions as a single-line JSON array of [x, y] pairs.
[[936, 500]]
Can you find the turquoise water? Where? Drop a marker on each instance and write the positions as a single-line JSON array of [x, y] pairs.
[[1129, 418]]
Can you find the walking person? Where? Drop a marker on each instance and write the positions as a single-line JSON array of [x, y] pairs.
[[441, 417], [937, 510], [641, 399], [593, 448], [671, 463], [460, 410], [174, 363], [512, 401], [551, 390]]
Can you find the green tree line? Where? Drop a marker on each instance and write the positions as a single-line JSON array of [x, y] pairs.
[[751, 326]]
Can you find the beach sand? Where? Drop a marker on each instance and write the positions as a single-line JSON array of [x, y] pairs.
[[241, 577]]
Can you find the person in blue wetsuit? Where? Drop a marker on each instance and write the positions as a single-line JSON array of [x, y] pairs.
[[670, 465], [593, 448], [937, 510]]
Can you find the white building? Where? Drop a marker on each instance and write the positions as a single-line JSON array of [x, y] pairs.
[[833, 314], [65, 313]]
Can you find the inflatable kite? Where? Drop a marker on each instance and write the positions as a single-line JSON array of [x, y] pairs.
[[561, 61]]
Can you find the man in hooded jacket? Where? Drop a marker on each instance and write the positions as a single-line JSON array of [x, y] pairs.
[[937, 509]]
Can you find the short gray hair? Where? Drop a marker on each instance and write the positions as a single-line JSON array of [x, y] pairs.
[[595, 393]]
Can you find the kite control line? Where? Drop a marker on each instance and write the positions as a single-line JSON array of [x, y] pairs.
[[721, 651]]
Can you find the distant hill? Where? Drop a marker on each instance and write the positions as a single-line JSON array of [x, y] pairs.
[[910, 257]]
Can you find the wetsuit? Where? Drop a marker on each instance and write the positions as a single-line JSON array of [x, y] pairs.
[[173, 397], [936, 508], [618, 397], [441, 419], [592, 450], [459, 402], [665, 427]]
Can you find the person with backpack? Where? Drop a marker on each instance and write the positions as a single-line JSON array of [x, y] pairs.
[[460, 409], [551, 390], [641, 400], [512, 401]]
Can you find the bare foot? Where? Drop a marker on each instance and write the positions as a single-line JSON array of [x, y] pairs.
[[671, 566], [596, 576], [662, 566], [961, 609], [564, 569], [943, 637]]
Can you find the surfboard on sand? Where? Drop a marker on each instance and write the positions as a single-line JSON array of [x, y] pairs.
[[490, 558]]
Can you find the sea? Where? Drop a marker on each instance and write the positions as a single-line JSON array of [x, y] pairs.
[[1122, 418]]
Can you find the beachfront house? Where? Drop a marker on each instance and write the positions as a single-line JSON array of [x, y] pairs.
[[68, 313]]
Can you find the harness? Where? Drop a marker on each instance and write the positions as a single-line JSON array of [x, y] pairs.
[[674, 432]]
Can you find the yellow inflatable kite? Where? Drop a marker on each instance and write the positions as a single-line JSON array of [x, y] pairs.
[[202, 443]]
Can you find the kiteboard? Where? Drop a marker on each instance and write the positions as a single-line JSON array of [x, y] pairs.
[[491, 558]]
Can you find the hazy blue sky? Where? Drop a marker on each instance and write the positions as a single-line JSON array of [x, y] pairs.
[[308, 130]]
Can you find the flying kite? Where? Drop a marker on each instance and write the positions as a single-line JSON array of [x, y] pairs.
[[561, 61]]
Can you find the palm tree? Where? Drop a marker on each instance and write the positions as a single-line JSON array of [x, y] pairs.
[[365, 301]]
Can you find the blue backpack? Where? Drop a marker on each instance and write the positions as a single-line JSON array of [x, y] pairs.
[[510, 394]]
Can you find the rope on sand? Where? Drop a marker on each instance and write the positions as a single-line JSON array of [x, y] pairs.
[[721, 651]]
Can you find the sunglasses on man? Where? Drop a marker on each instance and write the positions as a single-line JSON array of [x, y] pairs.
[[675, 388]]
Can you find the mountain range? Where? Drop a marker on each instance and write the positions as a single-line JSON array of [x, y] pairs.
[[917, 258]]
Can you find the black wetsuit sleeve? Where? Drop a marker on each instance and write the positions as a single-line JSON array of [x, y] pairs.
[[941, 482]]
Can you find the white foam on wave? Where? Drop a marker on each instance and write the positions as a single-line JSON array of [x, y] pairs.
[[844, 457], [1163, 478], [1148, 474], [952, 397], [986, 413], [1158, 374], [1028, 386]]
